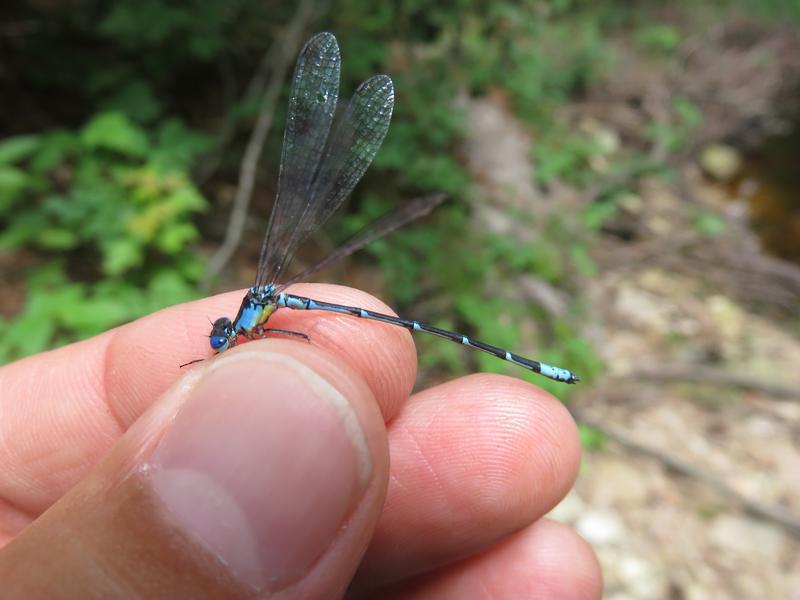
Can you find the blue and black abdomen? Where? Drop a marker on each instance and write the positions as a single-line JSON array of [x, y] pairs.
[[301, 303]]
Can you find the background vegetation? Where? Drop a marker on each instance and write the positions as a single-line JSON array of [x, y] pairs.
[[124, 123]]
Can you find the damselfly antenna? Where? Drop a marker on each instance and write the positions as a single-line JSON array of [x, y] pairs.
[[191, 362]]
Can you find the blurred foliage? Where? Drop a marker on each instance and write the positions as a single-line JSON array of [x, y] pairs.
[[770, 9], [109, 203], [591, 439], [102, 188], [676, 134], [110, 108], [659, 39], [710, 224]]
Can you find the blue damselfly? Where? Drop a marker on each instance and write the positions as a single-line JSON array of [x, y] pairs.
[[323, 159]]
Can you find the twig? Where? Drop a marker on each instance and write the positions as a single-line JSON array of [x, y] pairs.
[[773, 513], [718, 377], [247, 169]]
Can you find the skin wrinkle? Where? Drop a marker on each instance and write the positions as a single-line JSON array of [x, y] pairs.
[[420, 453], [91, 385], [395, 481], [439, 408], [121, 587], [550, 461], [20, 514], [106, 395], [14, 480], [548, 449], [496, 493], [484, 588], [337, 329], [524, 496], [449, 499], [107, 364], [129, 401], [538, 562], [499, 466], [102, 382]]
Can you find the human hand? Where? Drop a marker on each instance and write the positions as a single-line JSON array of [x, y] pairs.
[[267, 468]]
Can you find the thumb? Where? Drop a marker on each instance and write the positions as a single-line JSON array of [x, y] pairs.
[[261, 472]]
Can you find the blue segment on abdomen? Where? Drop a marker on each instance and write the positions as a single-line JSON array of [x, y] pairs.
[[285, 301], [555, 373], [308, 304]]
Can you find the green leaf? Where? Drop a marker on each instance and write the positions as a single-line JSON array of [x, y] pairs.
[[17, 148], [175, 237], [598, 213], [186, 197], [16, 234], [710, 224], [591, 439], [121, 255], [659, 38], [582, 260], [167, 288], [33, 329], [177, 145], [688, 112], [31, 334], [55, 147], [56, 238], [135, 98], [12, 182], [93, 315], [114, 131]]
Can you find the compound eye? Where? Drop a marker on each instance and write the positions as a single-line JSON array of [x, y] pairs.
[[218, 342]]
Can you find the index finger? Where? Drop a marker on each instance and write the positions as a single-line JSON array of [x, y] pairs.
[[383, 355], [62, 410]]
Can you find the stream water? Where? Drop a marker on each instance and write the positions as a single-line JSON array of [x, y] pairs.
[[769, 181]]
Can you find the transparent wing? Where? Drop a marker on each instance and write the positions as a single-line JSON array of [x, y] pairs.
[[352, 145], [312, 103], [384, 225]]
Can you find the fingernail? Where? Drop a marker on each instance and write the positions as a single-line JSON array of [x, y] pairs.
[[262, 466]]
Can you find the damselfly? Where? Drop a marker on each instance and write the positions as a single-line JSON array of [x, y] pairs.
[[323, 159]]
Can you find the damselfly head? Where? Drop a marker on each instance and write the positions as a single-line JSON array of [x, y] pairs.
[[222, 335]]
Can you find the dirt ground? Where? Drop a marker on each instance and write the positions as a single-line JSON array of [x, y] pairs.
[[697, 492]]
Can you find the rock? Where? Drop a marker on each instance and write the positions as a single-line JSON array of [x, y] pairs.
[[623, 483], [551, 299], [747, 537], [606, 139], [600, 527], [641, 578], [631, 202], [660, 226], [642, 310], [497, 149], [729, 321], [569, 509], [720, 161]]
